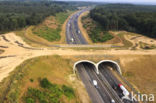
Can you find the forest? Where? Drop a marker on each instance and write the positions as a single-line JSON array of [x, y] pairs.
[[133, 18], [16, 14]]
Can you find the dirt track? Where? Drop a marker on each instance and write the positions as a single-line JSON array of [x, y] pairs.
[[17, 53]]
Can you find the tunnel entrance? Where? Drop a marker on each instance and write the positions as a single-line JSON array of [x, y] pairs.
[[86, 71], [83, 64], [109, 63]]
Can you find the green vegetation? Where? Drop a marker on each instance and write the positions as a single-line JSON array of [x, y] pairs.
[[68, 91], [31, 80], [45, 83], [97, 35], [19, 14], [49, 93], [49, 33], [61, 17], [18, 87], [132, 18], [95, 31]]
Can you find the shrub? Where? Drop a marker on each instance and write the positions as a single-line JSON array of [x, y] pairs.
[[30, 100], [31, 80], [45, 83], [49, 93], [97, 35], [68, 91]]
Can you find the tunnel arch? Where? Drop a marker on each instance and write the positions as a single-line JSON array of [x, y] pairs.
[[110, 62], [84, 61]]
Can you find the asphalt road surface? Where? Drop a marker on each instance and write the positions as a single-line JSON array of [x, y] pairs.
[[105, 91], [73, 33], [113, 81], [92, 91], [86, 71], [101, 93]]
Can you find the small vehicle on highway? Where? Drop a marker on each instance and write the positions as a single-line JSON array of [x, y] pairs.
[[72, 40], [95, 83], [112, 101], [69, 25]]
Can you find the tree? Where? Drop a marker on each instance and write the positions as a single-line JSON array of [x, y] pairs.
[[139, 19]]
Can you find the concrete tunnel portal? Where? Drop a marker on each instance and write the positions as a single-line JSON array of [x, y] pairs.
[[75, 67], [114, 65], [110, 63]]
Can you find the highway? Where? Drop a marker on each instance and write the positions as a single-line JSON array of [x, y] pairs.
[[101, 93], [113, 81], [92, 91], [104, 88], [74, 36], [73, 33], [105, 92]]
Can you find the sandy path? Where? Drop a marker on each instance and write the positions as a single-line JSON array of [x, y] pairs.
[[21, 54], [139, 38], [133, 43]]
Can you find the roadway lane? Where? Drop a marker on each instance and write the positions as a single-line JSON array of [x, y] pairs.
[[103, 94], [97, 95], [73, 31], [113, 81], [92, 92], [104, 88]]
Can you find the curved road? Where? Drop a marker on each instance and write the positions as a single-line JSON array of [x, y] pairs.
[[73, 33], [104, 93]]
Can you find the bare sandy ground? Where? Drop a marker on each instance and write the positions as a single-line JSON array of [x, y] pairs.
[[136, 39], [140, 38], [132, 37], [20, 54]]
